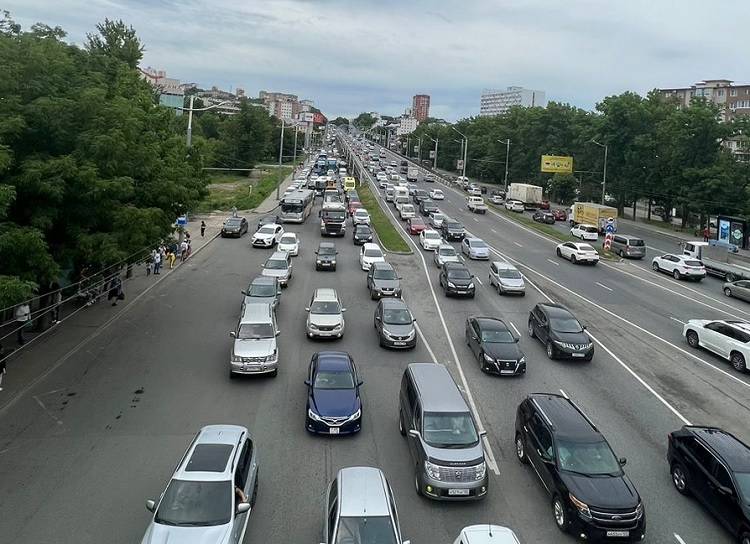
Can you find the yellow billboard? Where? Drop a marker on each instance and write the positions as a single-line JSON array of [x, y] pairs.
[[557, 164]]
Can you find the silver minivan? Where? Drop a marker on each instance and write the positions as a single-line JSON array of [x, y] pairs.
[[444, 442], [325, 315], [506, 278], [628, 246], [254, 350]]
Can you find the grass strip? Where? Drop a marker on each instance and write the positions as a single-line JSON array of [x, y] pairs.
[[246, 194], [389, 236]]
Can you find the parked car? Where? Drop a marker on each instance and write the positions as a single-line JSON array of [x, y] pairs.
[[267, 235], [325, 315], [361, 234], [543, 217], [254, 350], [456, 279], [382, 281], [486, 534], [208, 508], [415, 225], [679, 266], [506, 278], [279, 266], [592, 497], [445, 253], [430, 239], [585, 232], [263, 290], [289, 243], [370, 253], [334, 405], [437, 194], [560, 332], [738, 289], [475, 248], [452, 229], [395, 324], [560, 214], [325, 256], [712, 466], [234, 226], [514, 206], [577, 253], [729, 340], [495, 346]]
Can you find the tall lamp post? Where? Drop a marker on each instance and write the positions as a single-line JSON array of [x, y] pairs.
[[190, 111], [434, 158], [281, 151], [507, 154], [604, 175], [466, 149]]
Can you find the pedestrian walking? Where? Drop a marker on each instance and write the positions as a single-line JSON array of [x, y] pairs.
[[157, 262], [706, 234], [23, 315], [148, 265], [2, 365], [183, 250], [56, 302], [189, 247], [203, 229], [171, 257], [115, 290]]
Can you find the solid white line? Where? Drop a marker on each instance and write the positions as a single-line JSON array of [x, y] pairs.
[[679, 538], [519, 245], [675, 319], [480, 281], [604, 286], [515, 328], [553, 262], [564, 394], [425, 342], [475, 219]]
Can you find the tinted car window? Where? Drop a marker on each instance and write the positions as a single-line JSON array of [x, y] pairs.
[[743, 484], [326, 307], [276, 264], [701, 454], [497, 336], [194, 504], [326, 250], [373, 529], [445, 430], [384, 274], [261, 290], [587, 457], [459, 274], [373, 253], [509, 274], [565, 324], [397, 316]]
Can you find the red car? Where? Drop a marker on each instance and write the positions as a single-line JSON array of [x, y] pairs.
[[560, 215], [353, 206], [416, 225], [544, 205]]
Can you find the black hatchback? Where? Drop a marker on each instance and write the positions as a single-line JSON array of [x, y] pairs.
[[452, 230], [560, 332], [592, 497], [456, 279], [361, 234]]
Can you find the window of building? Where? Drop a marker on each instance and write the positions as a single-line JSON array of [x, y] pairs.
[[720, 92], [733, 92]]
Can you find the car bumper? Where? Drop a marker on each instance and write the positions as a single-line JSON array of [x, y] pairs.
[[479, 256], [512, 289], [566, 353], [321, 427], [263, 243], [429, 247], [505, 368], [594, 533], [325, 265], [254, 368], [449, 491], [458, 292], [634, 254], [234, 234], [378, 293], [398, 344], [690, 274], [450, 236], [317, 333]]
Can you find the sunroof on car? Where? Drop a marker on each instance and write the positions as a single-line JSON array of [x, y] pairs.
[[209, 458]]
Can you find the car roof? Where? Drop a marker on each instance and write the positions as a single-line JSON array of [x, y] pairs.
[[326, 244], [488, 534], [566, 419], [557, 310], [382, 265], [264, 279], [325, 293], [289, 233], [491, 323], [393, 303], [438, 391], [211, 455], [731, 449], [257, 312], [333, 360], [448, 266], [502, 265], [370, 245], [279, 255], [363, 491], [271, 224]]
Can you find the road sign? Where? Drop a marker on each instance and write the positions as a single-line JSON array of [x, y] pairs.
[[432, 153], [182, 221], [459, 164], [608, 241], [609, 228]]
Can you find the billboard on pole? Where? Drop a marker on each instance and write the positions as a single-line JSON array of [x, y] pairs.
[[432, 154], [459, 164], [557, 164]]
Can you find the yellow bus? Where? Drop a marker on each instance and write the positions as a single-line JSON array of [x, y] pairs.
[[349, 184]]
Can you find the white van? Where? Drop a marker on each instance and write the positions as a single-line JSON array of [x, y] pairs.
[[401, 196], [390, 193]]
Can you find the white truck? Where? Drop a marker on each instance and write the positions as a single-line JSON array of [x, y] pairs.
[[412, 174], [530, 195], [476, 204], [400, 196], [720, 259]]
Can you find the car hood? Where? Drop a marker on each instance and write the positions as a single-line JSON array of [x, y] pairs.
[[334, 402], [325, 319], [512, 282], [602, 491], [326, 258], [456, 457], [262, 236], [386, 284], [254, 348], [480, 250], [459, 282], [507, 352], [399, 330], [275, 273], [287, 247], [358, 236], [571, 337], [168, 534]]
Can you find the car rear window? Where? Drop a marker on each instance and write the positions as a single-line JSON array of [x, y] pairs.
[[637, 242], [590, 229], [694, 263]]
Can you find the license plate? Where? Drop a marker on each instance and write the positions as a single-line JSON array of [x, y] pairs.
[[399, 343], [333, 430], [507, 371], [618, 533], [460, 292], [578, 354], [458, 492]]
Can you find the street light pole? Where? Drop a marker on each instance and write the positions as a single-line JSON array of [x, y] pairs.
[[294, 160], [466, 149], [190, 123], [434, 158], [507, 155], [281, 151], [604, 174], [420, 151]]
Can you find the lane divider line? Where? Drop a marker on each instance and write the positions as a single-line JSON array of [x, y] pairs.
[[604, 286], [553, 262]]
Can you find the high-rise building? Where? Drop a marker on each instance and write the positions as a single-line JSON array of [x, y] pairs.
[[497, 102], [281, 105], [420, 106]]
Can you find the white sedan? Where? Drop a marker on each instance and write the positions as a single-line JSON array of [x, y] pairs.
[[407, 211], [578, 253], [514, 205], [497, 199], [680, 266], [289, 243], [360, 217], [437, 194], [430, 239], [268, 235], [585, 232], [370, 253]]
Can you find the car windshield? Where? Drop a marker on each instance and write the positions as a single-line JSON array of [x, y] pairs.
[[365, 530], [454, 225], [334, 216], [255, 331], [585, 247], [477, 244], [459, 274], [743, 482], [261, 290], [636, 242], [325, 250], [363, 229], [325, 307], [509, 274], [267, 230], [592, 458], [233, 222], [432, 235], [397, 316], [447, 252], [384, 274], [565, 324], [446, 430], [438, 216], [276, 264], [373, 253], [193, 504], [288, 239], [326, 379], [497, 336]]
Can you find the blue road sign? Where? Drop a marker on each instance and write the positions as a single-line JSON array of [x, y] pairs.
[[610, 228], [182, 220]]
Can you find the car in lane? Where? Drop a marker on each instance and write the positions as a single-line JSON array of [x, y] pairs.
[[279, 266], [353, 206], [255, 350], [560, 332], [267, 235], [325, 315], [325, 256], [430, 239], [585, 232], [445, 253], [411, 188], [263, 290], [497, 199], [452, 230], [475, 204], [428, 206], [437, 194], [382, 281], [289, 243], [474, 190], [506, 278], [729, 339], [361, 234], [415, 225], [679, 266], [577, 253], [713, 466], [268, 220], [738, 289], [486, 534], [370, 253], [543, 217], [436, 220], [592, 497], [234, 226], [495, 346], [627, 246], [395, 324], [475, 248], [361, 217], [457, 280], [560, 214], [360, 508], [211, 491], [420, 195], [406, 211], [544, 205], [334, 405], [430, 178], [514, 206]]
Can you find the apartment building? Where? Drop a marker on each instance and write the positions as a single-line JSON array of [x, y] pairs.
[[420, 106], [406, 125], [171, 91], [498, 102]]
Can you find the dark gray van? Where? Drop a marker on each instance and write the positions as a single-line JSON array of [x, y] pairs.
[[444, 442], [628, 246]]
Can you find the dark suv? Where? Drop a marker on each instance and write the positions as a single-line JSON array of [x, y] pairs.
[[456, 279], [560, 332], [714, 467], [452, 229], [591, 495], [428, 206], [326, 256]]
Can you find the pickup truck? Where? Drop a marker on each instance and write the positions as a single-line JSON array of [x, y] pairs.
[[720, 259], [476, 204]]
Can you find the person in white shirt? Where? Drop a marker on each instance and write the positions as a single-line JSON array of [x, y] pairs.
[[23, 315]]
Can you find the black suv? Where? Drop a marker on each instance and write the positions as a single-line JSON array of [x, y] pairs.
[[326, 256], [427, 207], [591, 495], [456, 279], [452, 229], [714, 467], [560, 332]]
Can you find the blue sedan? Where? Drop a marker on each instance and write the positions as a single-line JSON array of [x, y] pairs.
[[333, 402]]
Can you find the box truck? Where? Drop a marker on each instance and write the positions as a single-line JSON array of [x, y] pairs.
[[588, 213], [530, 195], [412, 173]]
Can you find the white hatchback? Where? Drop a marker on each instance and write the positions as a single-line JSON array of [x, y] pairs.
[[289, 243], [370, 253], [578, 253], [514, 206], [585, 232], [437, 194]]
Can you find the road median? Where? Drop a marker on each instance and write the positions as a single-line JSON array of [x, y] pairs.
[[388, 234]]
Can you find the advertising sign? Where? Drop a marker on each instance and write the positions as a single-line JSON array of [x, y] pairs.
[[459, 164], [557, 164], [724, 230], [432, 154]]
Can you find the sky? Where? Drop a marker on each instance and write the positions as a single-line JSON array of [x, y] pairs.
[[351, 56]]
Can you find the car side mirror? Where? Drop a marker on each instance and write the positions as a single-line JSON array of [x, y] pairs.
[[377, 318], [724, 490], [151, 505], [623, 461], [278, 332], [343, 309], [415, 433], [360, 382], [308, 382], [244, 292], [243, 507], [400, 277], [516, 339], [233, 334], [307, 309]]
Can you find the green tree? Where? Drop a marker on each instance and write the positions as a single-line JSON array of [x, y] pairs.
[[563, 188], [116, 40], [339, 121], [363, 121]]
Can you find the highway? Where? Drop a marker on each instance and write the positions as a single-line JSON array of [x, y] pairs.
[[90, 442]]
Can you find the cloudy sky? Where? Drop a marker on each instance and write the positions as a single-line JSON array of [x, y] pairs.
[[351, 56]]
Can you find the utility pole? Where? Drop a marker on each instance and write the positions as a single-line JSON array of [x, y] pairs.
[[604, 175], [420, 151], [294, 160], [407, 147], [281, 151], [190, 123], [507, 155], [466, 149], [434, 158]]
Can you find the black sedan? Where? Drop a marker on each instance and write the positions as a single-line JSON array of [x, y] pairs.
[[361, 234], [560, 332], [234, 226], [541, 216], [495, 346], [456, 279], [333, 402]]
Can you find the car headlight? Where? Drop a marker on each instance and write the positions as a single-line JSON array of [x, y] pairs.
[[471, 285], [312, 415], [236, 359], [639, 509], [451, 284], [488, 358], [273, 356], [387, 334], [432, 470], [312, 326], [318, 261], [481, 471], [581, 506], [356, 415], [412, 334], [522, 360]]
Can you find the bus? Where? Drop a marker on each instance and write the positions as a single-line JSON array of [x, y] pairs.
[[296, 206], [350, 184]]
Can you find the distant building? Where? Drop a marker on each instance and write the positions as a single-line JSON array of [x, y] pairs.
[[282, 105], [306, 105], [406, 125], [420, 106], [171, 91], [497, 102]]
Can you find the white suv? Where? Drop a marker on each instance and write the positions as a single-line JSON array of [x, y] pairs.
[[727, 339], [370, 253], [585, 232]]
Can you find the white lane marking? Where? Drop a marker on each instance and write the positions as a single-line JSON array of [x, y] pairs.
[[553, 262], [46, 410], [491, 462], [604, 286], [564, 394], [675, 319], [679, 538], [475, 219], [425, 342], [493, 230], [480, 281], [515, 328], [519, 245], [662, 251]]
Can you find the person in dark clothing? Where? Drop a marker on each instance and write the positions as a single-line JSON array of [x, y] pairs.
[[115, 290], [203, 229]]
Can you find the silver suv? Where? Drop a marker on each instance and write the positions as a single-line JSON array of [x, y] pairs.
[[212, 490], [360, 507], [254, 350], [263, 289], [279, 266], [325, 316]]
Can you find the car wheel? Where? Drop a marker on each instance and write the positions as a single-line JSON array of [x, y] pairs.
[[738, 361], [680, 478], [559, 253], [550, 350], [692, 339], [275, 373], [656, 267], [521, 450], [676, 274], [621, 253], [728, 291], [401, 424], [573, 259], [482, 366], [531, 329], [417, 488], [561, 515]]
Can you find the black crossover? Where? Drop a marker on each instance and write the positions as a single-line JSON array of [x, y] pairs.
[[560, 332]]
